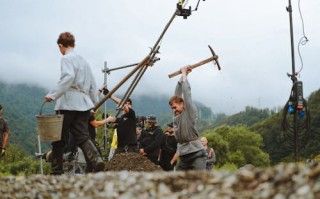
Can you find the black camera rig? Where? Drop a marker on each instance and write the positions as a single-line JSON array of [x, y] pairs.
[[185, 13]]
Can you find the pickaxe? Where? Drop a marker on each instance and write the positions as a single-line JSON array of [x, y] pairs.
[[213, 58]]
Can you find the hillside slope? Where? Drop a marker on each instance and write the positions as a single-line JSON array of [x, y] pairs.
[[23, 102]]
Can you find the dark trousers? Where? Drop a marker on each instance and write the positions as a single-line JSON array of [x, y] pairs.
[[165, 162], [153, 159], [193, 161], [75, 123]]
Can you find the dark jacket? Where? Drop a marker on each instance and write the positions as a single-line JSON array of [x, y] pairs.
[[151, 141], [126, 129]]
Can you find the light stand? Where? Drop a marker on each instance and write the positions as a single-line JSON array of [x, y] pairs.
[[296, 106], [106, 129]]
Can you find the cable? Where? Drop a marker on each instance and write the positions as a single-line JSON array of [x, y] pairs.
[[302, 20], [295, 139], [304, 40]]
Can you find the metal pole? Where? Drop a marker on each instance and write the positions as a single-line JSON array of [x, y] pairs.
[[40, 159], [151, 56], [289, 9], [294, 80], [134, 83], [143, 63], [105, 110], [131, 88]]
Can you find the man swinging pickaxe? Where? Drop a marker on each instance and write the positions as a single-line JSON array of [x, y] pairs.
[[213, 58]]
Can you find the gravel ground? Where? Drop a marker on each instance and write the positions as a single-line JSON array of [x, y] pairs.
[[293, 181]]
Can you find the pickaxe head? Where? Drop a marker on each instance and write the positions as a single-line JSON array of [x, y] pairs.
[[214, 55], [191, 67]]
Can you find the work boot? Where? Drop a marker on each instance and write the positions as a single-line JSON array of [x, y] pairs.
[[92, 155], [98, 147], [57, 161], [56, 167], [89, 167]]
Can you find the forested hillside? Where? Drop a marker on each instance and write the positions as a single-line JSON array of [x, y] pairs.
[[268, 124], [275, 143], [23, 102]]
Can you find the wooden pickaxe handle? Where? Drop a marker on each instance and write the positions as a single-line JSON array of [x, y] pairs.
[[214, 57]]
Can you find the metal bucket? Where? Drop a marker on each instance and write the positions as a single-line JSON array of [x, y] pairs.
[[49, 126]]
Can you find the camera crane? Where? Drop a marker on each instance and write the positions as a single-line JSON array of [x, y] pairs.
[[149, 60], [142, 66]]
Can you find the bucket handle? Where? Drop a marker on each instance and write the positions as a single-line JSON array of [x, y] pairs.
[[40, 112]]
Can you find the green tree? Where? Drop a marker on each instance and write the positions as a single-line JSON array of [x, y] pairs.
[[312, 148], [239, 146], [17, 162], [271, 132], [237, 158]]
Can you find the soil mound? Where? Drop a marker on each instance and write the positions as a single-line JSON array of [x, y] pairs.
[[131, 162]]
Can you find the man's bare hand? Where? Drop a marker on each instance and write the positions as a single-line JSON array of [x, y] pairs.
[[48, 99], [111, 119], [141, 151], [186, 70]]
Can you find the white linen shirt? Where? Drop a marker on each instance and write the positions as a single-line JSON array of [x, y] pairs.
[[76, 89]]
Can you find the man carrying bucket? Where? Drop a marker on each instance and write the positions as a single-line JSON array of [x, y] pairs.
[[75, 96]]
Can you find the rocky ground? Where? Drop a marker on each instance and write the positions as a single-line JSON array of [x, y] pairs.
[[293, 181]]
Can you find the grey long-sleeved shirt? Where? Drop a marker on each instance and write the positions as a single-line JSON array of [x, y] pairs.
[[76, 90], [185, 123]]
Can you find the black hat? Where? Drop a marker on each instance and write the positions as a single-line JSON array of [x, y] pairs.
[[152, 119], [170, 125], [0, 107]]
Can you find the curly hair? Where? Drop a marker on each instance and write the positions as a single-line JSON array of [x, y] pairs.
[[66, 39]]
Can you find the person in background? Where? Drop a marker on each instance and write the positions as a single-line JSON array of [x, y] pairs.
[[114, 144], [139, 131], [168, 149], [151, 140], [140, 128], [75, 96], [191, 153], [126, 127], [211, 156], [4, 133]]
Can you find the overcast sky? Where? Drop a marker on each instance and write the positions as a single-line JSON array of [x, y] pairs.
[[251, 38]]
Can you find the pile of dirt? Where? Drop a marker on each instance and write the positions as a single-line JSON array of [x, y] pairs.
[[131, 162]]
